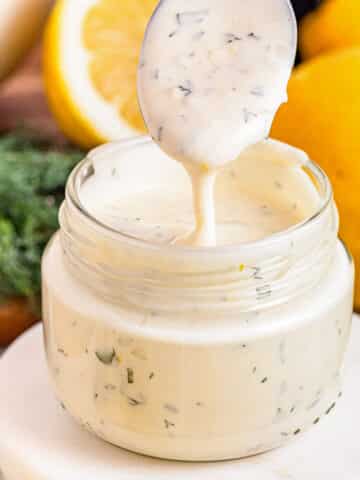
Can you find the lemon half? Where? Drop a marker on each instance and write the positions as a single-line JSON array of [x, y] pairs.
[[91, 53]]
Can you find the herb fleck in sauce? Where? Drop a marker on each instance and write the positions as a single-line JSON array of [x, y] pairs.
[[105, 357], [130, 375]]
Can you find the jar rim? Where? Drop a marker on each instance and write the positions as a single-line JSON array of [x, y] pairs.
[[85, 168]]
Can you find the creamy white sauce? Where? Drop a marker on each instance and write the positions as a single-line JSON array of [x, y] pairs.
[[197, 354], [211, 78], [201, 353]]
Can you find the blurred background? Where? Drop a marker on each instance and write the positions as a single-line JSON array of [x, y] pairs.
[[68, 83]]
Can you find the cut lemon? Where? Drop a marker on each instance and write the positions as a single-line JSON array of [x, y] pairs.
[[91, 52]]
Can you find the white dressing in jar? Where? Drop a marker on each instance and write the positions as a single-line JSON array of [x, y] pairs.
[[231, 344], [197, 353]]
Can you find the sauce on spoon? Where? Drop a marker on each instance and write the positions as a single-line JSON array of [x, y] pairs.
[[211, 77]]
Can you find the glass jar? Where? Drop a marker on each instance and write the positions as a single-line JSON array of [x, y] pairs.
[[195, 354]]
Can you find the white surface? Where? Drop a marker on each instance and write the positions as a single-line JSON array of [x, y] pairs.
[[44, 443]]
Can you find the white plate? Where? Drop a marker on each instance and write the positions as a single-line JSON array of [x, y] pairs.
[[39, 441]]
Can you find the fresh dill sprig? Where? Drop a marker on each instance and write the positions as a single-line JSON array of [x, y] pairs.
[[32, 180]]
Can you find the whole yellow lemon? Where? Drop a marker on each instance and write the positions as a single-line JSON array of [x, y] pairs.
[[322, 117], [334, 25]]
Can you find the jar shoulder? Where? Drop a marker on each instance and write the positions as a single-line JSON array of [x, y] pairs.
[[333, 294]]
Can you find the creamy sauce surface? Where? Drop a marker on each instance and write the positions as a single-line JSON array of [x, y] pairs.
[[156, 205], [211, 78]]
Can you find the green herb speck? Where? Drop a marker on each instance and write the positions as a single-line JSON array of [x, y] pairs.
[[130, 375], [105, 357], [332, 406], [168, 424]]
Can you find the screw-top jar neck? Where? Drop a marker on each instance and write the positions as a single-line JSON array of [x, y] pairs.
[[239, 278]]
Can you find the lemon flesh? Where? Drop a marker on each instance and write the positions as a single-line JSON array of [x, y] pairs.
[[91, 52]]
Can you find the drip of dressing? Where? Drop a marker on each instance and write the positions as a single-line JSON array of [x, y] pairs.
[[204, 209], [211, 77]]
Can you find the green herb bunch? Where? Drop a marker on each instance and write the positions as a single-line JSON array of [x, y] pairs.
[[32, 183]]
